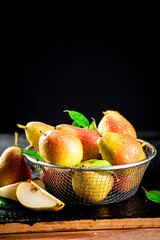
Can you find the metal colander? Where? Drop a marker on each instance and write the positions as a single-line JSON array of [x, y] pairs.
[[83, 185]]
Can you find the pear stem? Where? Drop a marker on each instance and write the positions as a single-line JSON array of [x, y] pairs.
[[96, 129], [21, 126], [16, 139]]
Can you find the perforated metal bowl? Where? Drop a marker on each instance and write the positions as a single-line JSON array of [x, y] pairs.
[[84, 185]]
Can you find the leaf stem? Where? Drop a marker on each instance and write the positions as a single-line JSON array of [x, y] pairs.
[[144, 189]]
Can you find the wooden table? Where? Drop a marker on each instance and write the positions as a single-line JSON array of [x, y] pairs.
[[134, 218]]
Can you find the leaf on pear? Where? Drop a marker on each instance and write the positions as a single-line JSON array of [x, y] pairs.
[[75, 124], [30, 153], [79, 118], [101, 164], [95, 163], [153, 195]]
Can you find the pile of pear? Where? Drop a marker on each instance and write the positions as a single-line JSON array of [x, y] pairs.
[[114, 140]]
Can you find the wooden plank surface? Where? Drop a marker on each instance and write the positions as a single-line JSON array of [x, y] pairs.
[[125, 234], [80, 225]]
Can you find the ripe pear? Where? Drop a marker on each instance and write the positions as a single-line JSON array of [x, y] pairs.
[[88, 138], [125, 182], [119, 148], [91, 186], [31, 196], [60, 148], [57, 181], [13, 167], [33, 132], [113, 121]]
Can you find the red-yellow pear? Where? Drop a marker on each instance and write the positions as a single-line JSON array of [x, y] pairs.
[[88, 138], [33, 132], [60, 148], [113, 121], [124, 184], [91, 186], [13, 167], [119, 148]]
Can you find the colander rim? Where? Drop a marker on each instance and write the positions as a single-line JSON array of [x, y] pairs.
[[109, 168]]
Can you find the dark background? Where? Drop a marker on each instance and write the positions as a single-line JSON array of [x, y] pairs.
[[87, 68]]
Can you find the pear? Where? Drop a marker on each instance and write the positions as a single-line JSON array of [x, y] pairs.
[[128, 179], [33, 132], [39, 182], [124, 184], [119, 148], [60, 148], [13, 167], [31, 196], [88, 138], [113, 121], [91, 186], [9, 191], [57, 181]]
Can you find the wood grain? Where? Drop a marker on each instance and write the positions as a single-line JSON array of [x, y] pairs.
[[125, 234], [80, 225]]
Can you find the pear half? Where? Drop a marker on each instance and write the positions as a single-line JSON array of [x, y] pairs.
[[31, 196], [9, 191]]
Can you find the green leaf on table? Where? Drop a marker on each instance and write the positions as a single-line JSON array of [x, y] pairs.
[[30, 153], [79, 118], [153, 195], [3, 202]]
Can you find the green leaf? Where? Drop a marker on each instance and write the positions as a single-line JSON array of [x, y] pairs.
[[3, 202], [75, 124], [153, 195], [31, 154], [79, 118], [100, 163], [95, 163]]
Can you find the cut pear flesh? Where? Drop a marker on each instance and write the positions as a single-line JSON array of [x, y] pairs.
[[34, 197], [9, 191], [39, 182]]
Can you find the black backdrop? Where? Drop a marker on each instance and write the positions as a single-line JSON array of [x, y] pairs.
[[88, 69]]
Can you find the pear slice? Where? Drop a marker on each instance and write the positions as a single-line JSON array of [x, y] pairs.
[[9, 191], [31, 196], [39, 182]]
